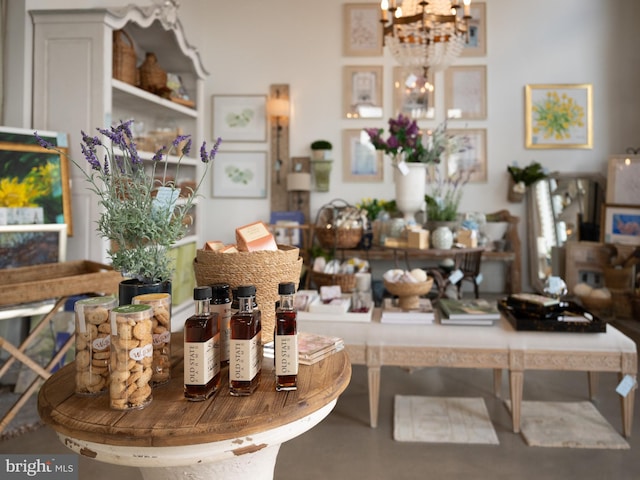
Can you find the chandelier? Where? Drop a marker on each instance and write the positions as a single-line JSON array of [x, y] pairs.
[[426, 34]]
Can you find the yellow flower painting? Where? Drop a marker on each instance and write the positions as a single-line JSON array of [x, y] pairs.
[[559, 116]]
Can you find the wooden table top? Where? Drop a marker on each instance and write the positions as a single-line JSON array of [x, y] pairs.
[[171, 420]]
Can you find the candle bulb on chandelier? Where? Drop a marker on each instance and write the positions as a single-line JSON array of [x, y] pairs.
[[467, 8]]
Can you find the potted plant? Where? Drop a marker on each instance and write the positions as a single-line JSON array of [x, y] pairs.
[[141, 215], [321, 150], [520, 178]]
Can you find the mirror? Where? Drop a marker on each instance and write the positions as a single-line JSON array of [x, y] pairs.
[[561, 208]]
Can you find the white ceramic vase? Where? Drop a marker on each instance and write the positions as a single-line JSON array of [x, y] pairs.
[[410, 189], [442, 238]]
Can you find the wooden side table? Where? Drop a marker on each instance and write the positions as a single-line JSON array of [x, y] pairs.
[[224, 437]]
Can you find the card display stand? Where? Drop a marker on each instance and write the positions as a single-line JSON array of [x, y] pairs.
[[34, 285]]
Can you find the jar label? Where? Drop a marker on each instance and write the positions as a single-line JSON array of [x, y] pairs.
[[101, 343], [199, 364], [286, 354], [139, 353]]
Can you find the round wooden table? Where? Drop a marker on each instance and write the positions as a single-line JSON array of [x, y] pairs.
[[223, 437]]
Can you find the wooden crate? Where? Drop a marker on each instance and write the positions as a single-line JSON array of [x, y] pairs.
[[53, 280]]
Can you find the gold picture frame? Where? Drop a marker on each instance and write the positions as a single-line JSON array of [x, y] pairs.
[[362, 34], [362, 92], [465, 92], [542, 103], [361, 161]]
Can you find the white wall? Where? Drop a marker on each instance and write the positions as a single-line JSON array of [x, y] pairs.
[[251, 44]]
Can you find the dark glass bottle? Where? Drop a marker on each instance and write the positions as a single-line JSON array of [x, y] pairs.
[[286, 339], [201, 349], [221, 304], [245, 362]]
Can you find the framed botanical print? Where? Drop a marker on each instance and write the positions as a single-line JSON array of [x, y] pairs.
[[558, 116], [413, 94], [362, 35], [361, 161], [240, 175], [362, 92], [472, 154], [239, 118], [465, 92]]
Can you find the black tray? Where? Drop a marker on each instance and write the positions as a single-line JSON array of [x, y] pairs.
[[585, 321]]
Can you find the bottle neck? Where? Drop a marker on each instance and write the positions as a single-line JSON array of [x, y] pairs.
[[245, 304], [286, 302], [203, 307]]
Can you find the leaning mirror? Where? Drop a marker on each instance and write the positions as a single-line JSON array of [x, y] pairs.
[[563, 207]]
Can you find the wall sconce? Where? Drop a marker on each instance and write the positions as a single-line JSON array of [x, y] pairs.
[[279, 108], [297, 183]]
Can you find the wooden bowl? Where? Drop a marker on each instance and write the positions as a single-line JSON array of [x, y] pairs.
[[409, 293]]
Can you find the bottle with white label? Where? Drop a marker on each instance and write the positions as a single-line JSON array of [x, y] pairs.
[[286, 339], [131, 357], [245, 344], [201, 349]]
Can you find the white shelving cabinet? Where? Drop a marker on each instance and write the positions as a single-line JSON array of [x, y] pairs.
[[74, 91]]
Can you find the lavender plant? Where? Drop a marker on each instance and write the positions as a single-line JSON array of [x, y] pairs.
[[140, 213]]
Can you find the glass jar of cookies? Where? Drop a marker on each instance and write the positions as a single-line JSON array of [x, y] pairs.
[[161, 333], [93, 340], [131, 357]]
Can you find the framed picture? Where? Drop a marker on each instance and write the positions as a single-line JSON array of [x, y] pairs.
[[26, 245], [362, 92], [38, 177], [362, 34], [558, 116], [240, 175], [623, 179], [621, 224], [240, 118], [361, 161], [477, 44], [465, 92], [474, 155], [413, 94]]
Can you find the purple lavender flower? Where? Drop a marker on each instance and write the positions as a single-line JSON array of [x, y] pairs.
[[43, 143], [187, 148], [158, 155], [180, 138]]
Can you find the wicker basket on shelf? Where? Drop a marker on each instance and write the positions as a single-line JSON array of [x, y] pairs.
[[124, 58], [338, 237], [346, 281]]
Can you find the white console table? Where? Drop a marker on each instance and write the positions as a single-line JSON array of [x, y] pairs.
[[498, 347]]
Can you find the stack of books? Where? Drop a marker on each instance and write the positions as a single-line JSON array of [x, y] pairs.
[[476, 311], [423, 315], [312, 347]]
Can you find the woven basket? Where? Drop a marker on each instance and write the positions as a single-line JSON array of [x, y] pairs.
[[264, 269], [124, 57], [409, 293], [153, 78], [346, 282], [339, 237]]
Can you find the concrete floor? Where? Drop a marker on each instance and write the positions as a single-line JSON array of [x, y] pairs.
[[343, 446]]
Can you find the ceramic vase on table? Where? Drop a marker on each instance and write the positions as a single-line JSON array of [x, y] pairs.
[[410, 189]]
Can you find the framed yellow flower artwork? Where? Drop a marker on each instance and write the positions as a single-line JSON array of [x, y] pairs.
[[559, 116]]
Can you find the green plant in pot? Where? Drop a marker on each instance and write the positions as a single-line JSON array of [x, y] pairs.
[[522, 177], [321, 150], [141, 215]]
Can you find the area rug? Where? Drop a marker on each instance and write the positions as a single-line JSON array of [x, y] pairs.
[[567, 424], [26, 419], [442, 420]]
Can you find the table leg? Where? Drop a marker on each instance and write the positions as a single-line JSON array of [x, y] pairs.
[[374, 394], [593, 384], [516, 381], [626, 404], [497, 382]]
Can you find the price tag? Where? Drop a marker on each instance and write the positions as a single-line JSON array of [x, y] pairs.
[[402, 166], [627, 384], [479, 278], [165, 201], [456, 276]]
